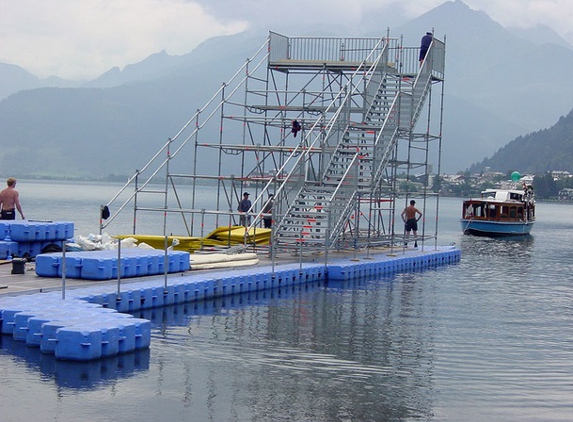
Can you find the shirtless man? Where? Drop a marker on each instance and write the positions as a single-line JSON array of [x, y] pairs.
[[409, 217], [10, 201]]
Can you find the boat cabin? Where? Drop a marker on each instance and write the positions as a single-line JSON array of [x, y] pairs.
[[499, 205]]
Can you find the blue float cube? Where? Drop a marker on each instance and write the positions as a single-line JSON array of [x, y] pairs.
[[79, 343], [96, 268]]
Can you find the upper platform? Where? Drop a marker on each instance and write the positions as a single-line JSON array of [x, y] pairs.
[[344, 54]]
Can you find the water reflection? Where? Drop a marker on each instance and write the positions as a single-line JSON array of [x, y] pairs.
[[497, 248], [350, 350], [502, 242], [358, 350], [76, 375]]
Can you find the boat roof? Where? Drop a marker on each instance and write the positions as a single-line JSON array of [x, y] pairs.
[[518, 191], [501, 195]]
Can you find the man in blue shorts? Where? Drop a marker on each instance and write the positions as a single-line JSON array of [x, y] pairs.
[[409, 217]]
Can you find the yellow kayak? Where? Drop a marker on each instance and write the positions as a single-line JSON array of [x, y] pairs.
[[221, 237]]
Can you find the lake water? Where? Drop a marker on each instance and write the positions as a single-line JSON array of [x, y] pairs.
[[487, 339]]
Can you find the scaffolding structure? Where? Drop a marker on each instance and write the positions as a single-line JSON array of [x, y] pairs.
[[326, 125]]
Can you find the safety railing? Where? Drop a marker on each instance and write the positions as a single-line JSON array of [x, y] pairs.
[[329, 49]]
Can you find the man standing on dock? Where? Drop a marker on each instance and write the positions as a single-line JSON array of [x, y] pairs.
[[409, 217], [10, 201], [268, 210], [244, 207]]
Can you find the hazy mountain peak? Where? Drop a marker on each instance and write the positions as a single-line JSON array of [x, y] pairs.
[[458, 17], [17, 79], [540, 35], [552, 147], [149, 68]]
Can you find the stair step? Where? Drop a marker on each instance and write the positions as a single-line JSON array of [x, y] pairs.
[[301, 229], [296, 232], [304, 217]]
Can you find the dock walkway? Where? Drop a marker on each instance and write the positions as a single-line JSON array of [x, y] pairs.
[[93, 321]]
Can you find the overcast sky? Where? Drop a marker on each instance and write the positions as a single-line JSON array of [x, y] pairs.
[[81, 39]]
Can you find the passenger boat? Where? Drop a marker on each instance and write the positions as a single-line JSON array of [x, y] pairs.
[[499, 212]]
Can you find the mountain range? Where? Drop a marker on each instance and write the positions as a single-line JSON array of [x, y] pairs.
[[501, 84]]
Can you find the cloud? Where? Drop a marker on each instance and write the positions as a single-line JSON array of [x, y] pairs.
[[82, 39], [306, 16], [359, 16], [556, 14]]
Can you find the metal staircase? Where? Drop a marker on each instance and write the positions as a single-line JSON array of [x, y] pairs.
[[319, 214], [335, 184]]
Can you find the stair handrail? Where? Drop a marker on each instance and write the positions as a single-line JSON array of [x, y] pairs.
[[424, 79], [424, 76], [371, 107], [165, 148], [334, 232], [380, 160]]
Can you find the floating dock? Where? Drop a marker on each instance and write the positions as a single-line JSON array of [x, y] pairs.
[[30, 237], [93, 322], [105, 264]]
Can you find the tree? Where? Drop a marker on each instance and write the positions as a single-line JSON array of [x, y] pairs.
[[437, 183], [545, 187]]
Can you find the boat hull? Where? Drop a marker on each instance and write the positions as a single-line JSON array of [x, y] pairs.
[[495, 228]]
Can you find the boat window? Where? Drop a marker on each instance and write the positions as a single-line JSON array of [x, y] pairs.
[[520, 212], [512, 212], [504, 211], [473, 210]]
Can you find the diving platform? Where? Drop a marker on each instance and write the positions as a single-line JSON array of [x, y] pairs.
[[357, 100]]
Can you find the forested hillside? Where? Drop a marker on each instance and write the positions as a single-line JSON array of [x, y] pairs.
[[536, 153]]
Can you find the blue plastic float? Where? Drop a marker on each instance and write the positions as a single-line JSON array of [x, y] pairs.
[[91, 324], [103, 265], [29, 237]]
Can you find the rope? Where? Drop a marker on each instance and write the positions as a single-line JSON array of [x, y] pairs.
[[468, 224]]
